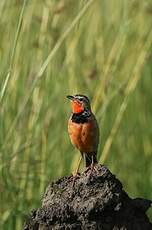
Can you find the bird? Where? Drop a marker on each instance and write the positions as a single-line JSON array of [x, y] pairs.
[[83, 130]]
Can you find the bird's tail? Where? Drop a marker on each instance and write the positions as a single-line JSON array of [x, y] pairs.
[[90, 159]]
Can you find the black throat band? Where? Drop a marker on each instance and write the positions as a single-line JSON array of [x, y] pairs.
[[80, 117]]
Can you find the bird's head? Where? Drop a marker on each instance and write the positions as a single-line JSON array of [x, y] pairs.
[[79, 103]]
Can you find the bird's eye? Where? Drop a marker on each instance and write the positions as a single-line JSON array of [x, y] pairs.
[[81, 99]]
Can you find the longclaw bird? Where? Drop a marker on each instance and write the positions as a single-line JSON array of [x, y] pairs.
[[83, 130]]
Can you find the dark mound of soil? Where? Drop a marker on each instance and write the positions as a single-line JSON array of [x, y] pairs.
[[96, 201]]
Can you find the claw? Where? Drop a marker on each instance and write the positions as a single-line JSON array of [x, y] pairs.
[[74, 179], [91, 168]]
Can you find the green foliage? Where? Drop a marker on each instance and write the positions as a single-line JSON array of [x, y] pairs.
[[49, 49]]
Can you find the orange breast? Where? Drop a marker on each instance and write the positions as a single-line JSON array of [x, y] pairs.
[[84, 136]]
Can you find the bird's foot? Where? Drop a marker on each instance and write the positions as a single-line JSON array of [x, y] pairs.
[[74, 178], [91, 168]]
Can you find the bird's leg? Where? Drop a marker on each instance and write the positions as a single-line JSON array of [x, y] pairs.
[[83, 160], [93, 165], [77, 170]]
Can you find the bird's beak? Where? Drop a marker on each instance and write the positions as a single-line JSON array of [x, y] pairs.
[[70, 97]]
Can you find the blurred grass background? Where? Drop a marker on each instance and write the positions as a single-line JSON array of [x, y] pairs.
[[48, 49]]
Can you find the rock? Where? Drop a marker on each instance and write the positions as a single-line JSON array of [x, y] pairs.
[[95, 201]]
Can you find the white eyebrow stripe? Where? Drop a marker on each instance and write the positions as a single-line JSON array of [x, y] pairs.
[[79, 97], [82, 97]]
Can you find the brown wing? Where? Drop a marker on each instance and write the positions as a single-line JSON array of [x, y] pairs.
[[90, 135]]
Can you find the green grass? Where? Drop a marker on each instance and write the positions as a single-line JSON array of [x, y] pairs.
[[48, 49]]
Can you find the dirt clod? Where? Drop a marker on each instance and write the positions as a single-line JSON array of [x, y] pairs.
[[96, 201]]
